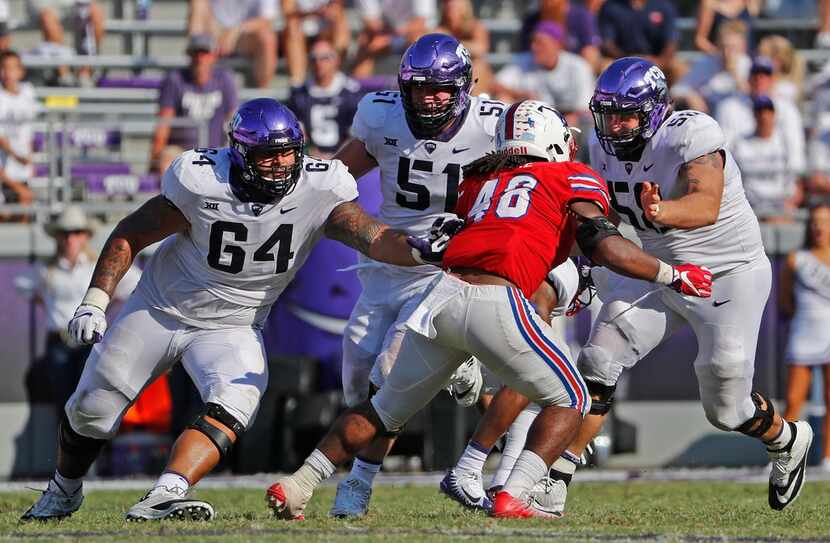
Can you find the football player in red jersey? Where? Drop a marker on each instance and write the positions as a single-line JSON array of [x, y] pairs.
[[524, 207]]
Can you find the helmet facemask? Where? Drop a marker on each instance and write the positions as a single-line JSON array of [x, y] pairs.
[[274, 181], [428, 118]]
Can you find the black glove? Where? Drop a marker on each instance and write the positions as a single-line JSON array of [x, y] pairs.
[[430, 250]]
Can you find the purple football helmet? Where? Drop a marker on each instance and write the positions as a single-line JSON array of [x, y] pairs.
[[629, 85], [436, 61], [261, 129]]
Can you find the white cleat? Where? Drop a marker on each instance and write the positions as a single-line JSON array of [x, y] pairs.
[[169, 503], [466, 383], [788, 467], [352, 499], [287, 500], [466, 488], [549, 495], [54, 504]]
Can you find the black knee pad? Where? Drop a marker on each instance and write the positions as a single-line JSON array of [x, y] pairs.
[[74, 444], [602, 397], [762, 420], [218, 437]]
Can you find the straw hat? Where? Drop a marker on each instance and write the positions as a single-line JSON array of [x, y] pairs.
[[72, 218]]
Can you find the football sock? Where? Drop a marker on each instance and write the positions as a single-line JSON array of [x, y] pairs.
[[473, 458], [65, 485], [564, 467], [782, 440], [173, 482], [315, 469], [365, 470], [516, 437], [529, 469]]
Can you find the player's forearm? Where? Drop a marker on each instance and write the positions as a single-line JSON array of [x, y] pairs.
[[690, 211], [624, 257], [349, 224], [116, 258]]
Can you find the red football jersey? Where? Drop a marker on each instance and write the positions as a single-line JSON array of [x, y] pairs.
[[517, 220]]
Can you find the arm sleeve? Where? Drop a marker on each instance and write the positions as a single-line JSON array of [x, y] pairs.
[[587, 185], [175, 188]]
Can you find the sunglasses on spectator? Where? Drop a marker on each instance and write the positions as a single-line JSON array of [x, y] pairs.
[[323, 56]]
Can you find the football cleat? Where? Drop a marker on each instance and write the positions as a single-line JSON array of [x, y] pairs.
[[549, 496], [162, 503], [466, 488], [287, 500], [507, 506], [786, 477], [54, 504], [352, 499]]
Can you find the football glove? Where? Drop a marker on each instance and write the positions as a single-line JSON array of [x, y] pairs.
[[466, 383], [430, 250], [88, 324], [692, 280]]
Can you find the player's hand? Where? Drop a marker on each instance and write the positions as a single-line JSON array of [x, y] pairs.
[[692, 280], [88, 325], [430, 250], [650, 201]]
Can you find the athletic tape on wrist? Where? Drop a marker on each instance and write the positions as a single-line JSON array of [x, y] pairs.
[[97, 297], [665, 275]]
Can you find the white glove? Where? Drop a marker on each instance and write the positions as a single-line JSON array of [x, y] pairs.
[[88, 325], [466, 383]]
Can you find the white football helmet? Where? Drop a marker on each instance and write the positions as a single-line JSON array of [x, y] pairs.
[[534, 128]]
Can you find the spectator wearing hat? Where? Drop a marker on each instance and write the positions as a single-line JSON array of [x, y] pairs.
[[242, 27], [548, 73], [736, 118], [59, 285], [579, 24], [202, 92], [18, 109], [767, 169]]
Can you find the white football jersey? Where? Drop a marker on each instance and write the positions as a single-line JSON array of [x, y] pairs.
[[733, 240], [237, 257], [419, 178]]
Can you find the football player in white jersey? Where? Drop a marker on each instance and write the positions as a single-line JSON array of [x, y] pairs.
[[419, 137], [670, 176], [237, 223]]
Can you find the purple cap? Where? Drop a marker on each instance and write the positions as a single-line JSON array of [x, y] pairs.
[[762, 65], [552, 29], [762, 102]]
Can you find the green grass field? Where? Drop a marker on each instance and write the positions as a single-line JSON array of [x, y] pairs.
[[642, 511]]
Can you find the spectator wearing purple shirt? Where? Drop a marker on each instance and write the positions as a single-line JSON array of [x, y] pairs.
[[201, 92], [639, 27], [581, 33]]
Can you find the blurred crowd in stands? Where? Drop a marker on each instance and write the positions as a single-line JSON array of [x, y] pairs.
[[323, 55]]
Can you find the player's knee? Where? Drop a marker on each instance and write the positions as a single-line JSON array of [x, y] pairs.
[[96, 413], [598, 364], [217, 423], [386, 423]]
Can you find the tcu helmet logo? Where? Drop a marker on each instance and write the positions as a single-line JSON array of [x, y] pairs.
[[462, 52], [653, 76]]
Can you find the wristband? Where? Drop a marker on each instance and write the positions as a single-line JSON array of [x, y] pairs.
[[97, 297], [665, 274]]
